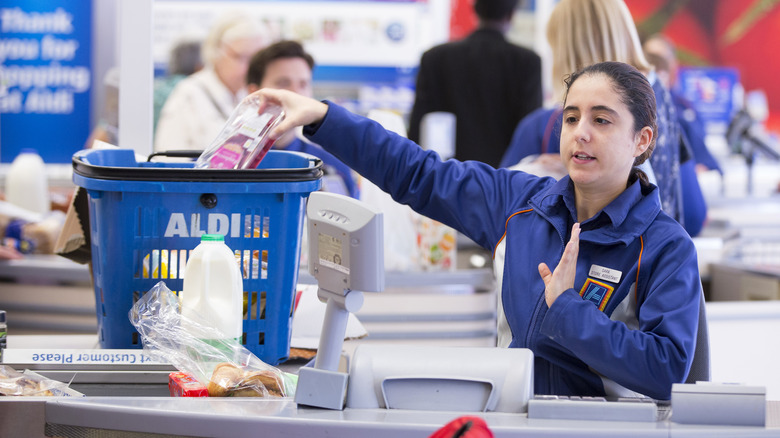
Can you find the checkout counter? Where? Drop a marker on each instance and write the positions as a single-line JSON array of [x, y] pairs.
[[456, 308]]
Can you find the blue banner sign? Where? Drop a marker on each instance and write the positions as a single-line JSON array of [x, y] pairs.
[[45, 77]]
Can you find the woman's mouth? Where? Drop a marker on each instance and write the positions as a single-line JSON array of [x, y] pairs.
[[583, 157]]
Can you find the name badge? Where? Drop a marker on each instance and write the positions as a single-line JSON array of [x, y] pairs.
[[607, 274]]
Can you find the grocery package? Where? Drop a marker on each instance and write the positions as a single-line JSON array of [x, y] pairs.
[[203, 352], [436, 244], [31, 236], [31, 384], [244, 140], [184, 385]]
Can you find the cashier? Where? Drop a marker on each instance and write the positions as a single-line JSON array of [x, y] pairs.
[[598, 282]]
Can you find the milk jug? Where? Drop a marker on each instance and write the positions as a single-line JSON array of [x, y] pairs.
[[213, 287], [26, 184]]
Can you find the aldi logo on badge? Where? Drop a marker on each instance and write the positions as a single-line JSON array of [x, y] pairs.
[[596, 292]]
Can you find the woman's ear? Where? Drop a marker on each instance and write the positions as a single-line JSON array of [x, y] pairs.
[[644, 140]]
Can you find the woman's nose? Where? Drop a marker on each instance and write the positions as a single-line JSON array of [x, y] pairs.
[[582, 132]]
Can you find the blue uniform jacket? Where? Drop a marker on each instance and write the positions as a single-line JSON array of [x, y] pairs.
[[636, 322]]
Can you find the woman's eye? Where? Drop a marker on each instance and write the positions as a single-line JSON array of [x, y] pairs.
[[570, 119], [601, 121]]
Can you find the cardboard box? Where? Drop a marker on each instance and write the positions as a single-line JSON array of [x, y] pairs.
[[74, 239], [184, 385]]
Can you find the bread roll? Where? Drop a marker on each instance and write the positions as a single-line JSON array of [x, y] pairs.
[[228, 380]]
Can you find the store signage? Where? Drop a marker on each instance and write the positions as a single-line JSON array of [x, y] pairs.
[[77, 356], [45, 77]]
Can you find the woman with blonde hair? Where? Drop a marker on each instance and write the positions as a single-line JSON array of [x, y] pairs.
[[582, 33], [201, 103]]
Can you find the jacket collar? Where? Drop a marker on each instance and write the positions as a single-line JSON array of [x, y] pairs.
[[625, 218]]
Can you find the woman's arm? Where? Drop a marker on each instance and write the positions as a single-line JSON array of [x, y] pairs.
[[471, 197]]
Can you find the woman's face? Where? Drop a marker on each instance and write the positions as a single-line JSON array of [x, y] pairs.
[[598, 142], [233, 61]]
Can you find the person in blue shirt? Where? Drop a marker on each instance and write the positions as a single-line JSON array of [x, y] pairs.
[[286, 65], [599, 282], [583, 32], [662, 54]]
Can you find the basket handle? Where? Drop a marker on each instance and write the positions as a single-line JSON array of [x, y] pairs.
[[192, 153]]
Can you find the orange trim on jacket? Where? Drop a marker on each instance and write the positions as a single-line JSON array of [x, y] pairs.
[[506, 225]]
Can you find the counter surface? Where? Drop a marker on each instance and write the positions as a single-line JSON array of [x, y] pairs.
[[282, 417]]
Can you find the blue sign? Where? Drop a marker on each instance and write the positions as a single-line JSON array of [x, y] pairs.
[[711, 91], [45, 77]]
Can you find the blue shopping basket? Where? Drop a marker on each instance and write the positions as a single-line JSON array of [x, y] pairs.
[[145, 218]]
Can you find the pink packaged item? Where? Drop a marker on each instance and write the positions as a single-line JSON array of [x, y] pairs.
[[244, 140]]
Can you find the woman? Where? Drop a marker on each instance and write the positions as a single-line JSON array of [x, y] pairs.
[[613, 311], [201, 103], [583, 32]]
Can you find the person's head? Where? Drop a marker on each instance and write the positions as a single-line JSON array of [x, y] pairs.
[[495, 11], [284, 64], [584, 32], [660, 51], [609, 125], [185, 58], [230, 44]]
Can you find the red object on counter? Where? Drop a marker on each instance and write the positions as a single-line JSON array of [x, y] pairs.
[[184, 385], [464, 427]]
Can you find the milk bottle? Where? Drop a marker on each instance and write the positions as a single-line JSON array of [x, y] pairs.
[[26, 184], [213, 287]]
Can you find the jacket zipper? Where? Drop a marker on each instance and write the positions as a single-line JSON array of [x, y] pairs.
[[534, 318]]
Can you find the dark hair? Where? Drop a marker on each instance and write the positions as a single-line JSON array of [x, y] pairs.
[[185, 58], [635, 92], [279, 50], [494, 9]]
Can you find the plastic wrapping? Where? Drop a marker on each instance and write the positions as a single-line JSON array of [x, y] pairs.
[[28, 383], [243, 141], [226, 367]]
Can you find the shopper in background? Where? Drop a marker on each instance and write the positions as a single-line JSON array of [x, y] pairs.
[[286, 65], [200, 104], [184, 60], [584, 32], [487, 82], [107, 128], [613, 312], [661, 52]]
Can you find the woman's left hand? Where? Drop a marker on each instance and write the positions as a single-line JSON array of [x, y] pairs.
[[563, 277]]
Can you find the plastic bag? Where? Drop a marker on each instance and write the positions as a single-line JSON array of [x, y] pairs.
[[226, 367], [28, 383], [243, 141]]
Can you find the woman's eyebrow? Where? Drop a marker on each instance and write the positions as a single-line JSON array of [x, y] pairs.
[[603, 108]]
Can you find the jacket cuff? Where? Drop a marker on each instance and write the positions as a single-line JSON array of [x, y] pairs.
[[311, 129]]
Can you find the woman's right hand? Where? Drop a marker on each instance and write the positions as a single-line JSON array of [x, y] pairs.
[[299, 110]]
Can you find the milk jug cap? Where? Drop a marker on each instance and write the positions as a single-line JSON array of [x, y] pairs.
[[212, 238]]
